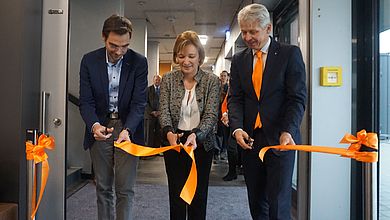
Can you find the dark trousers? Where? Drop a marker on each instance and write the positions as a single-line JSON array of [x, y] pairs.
[[178, 167], [268, 183], [232, 153], [152, 132]]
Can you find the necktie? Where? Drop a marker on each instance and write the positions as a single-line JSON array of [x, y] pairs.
[[257, 78], [157, 90]]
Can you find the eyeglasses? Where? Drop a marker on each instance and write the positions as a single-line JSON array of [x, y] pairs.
[[116, 47]]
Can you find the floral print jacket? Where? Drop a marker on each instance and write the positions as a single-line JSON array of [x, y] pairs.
[[207, 96]]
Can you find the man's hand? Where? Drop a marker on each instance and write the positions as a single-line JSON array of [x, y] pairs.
[[172, 138], [123, 136], [286, 139], [155, 113], [243, 139], [191, 140], [225, 119], [101, 133]]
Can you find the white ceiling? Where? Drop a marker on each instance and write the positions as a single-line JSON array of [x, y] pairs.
[[168, 18]]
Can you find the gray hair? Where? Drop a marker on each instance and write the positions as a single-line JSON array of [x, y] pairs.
[[254, 12]]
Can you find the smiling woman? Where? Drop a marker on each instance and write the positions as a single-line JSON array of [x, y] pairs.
[[189, 109]]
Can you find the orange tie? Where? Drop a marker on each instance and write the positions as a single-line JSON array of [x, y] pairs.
[[257, 78]]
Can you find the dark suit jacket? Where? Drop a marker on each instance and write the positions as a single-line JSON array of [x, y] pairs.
[[94, 97], [283, 93], [152, 102]]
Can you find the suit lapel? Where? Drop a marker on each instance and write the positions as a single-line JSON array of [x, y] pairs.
[[103, 73], [247, 72], [273, 52], [125, 72]]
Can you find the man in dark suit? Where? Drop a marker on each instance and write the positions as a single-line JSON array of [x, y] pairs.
[[113, 83], [266, 104], [152, 125]]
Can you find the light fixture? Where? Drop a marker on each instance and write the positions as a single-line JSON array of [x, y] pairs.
[[227, 34], [203, 39], [205, 59], [384, 42]]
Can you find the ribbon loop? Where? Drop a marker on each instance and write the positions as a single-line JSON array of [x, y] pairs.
[[363, 138], [189, 188]]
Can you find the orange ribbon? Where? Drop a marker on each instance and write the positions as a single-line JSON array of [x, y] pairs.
[[38, 154], [369, 140], [189, 188]]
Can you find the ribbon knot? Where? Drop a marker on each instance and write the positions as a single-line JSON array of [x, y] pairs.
[[362, 138]]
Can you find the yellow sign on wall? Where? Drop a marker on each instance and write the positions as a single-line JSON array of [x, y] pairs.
[[331, 76]]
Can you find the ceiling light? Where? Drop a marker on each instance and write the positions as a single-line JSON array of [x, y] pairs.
[[171, 18], [227, 34], [203, 39]]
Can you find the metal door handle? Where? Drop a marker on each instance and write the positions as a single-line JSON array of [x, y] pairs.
[[45, 96]]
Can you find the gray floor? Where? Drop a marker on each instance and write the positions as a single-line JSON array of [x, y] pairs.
[[226, 200]]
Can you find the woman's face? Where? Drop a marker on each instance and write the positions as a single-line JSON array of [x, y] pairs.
[[188, 59]]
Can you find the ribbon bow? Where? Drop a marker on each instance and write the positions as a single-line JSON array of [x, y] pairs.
[[38, 154], [363, 138], [363, 148]]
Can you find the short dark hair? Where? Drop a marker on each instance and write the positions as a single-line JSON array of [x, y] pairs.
[[117, 24], [225, 71]]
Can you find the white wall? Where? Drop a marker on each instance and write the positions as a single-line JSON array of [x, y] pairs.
[[331, 108], [153, 60], [139, 39]]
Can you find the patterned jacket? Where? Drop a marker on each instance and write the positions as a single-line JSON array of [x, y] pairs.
[[207, 94]]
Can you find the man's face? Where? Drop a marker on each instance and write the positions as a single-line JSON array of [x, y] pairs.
[[116, 45], [156, 80], [254, 36]]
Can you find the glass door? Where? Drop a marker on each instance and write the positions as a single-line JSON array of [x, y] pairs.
[[384, 112]]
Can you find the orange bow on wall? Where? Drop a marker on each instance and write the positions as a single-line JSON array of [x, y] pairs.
[[38, 154], [189, 188], [364, 147]]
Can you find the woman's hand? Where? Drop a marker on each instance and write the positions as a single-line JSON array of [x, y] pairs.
[[173, 137], [191, 140]]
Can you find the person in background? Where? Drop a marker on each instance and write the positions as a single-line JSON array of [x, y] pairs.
[[266, 104], [113, 82], [152, 125], [222, 131], [232, 151], [189, 104]]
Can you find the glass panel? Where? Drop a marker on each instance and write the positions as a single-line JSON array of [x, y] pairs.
[[384, 150]]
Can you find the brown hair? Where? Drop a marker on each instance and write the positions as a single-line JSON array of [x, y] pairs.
[[117, 24], [187, 38]]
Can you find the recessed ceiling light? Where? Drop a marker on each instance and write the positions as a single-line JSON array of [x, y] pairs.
[[203, 39]]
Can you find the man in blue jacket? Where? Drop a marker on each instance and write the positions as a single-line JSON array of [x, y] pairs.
[[113, 82]]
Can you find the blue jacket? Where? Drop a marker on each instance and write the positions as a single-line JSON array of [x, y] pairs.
[[94, 98]]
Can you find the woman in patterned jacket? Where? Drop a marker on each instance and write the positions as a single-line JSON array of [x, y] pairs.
[[189, 101]]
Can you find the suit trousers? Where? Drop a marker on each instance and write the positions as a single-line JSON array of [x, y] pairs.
[[178, 167], [269, 183], [115, 173], [152, 132]]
